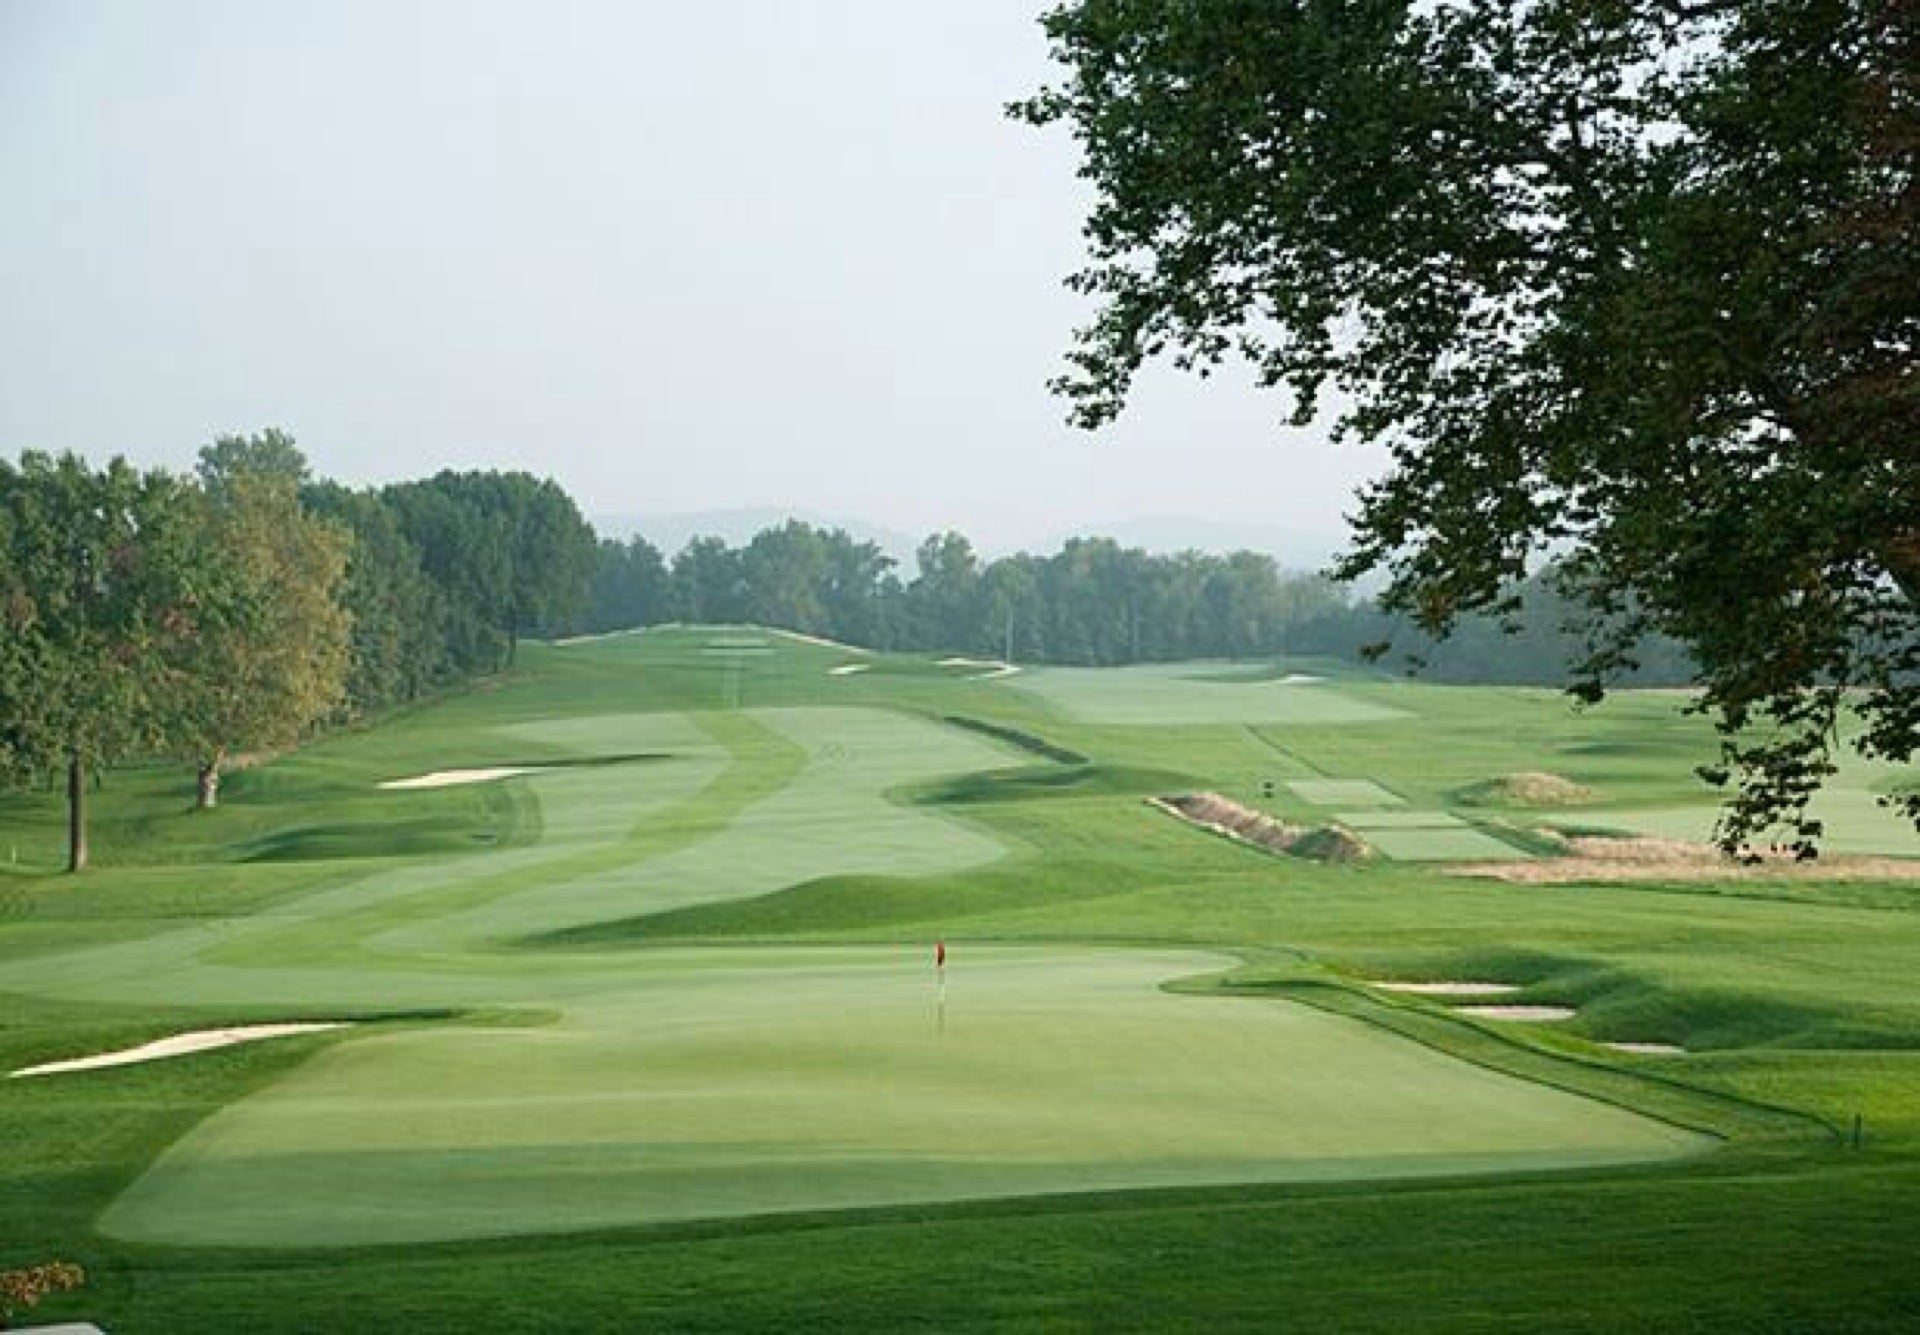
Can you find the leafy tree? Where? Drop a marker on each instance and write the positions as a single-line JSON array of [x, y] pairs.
[[553, 555], [1015, 612], [629, 586], [510, 552], [944, 597], [397, 645], [708, 584], [467, 550], [268, 453], [856, 591], [784, 573], [275, 662], [105, 580], [1632, 281]]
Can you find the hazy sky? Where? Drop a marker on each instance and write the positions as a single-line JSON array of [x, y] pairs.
[[678, 256]]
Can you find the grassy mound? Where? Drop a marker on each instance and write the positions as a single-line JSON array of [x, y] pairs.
[[1031, 782], [1332, 843], [1026, 741], [1534, 788]]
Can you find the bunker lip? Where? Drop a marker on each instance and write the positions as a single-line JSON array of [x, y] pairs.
[[819, 640], [452, 778], [1446, 988], [1526, 1014], [995, 667], [179, 1045]]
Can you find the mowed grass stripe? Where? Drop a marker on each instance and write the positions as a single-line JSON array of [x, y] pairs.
[[803, 794], [759, 762], [739, 1082]]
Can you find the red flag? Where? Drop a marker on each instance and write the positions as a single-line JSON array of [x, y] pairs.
[[939, 954]]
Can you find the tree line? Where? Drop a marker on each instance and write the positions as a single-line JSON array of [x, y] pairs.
[[244, 606], [238, 608], [1093, 602]]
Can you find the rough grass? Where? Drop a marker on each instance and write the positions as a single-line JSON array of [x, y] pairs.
[[1530, 789]]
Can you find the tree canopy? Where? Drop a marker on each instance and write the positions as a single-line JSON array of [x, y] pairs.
[[149, 616], [104, 583], [1630, 283], [274, 663]]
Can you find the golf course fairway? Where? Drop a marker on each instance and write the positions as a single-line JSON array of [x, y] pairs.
[[633, 983]]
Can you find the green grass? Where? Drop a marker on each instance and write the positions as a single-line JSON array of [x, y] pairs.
[[671, 1020], [1162, 696], [737, 1082], [1438, 845], [1344, 792]]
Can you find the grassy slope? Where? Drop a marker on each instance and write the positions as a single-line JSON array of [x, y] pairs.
[[1803, 996]]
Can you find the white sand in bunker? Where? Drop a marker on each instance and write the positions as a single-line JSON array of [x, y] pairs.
[[1533, 1014], [820, 640], [1447, 988], [995, 667], [1300, 679], [453, 778], [847, 669], [1648, 1049], [180, 1045]]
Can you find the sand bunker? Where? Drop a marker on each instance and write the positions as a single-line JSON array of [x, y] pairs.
[[1448, 989], [1534, 1014], [1611, 858], [848, 669], [1223, 816], [822, 641], [995, 668], [452, 778], [179, 1045], [1648, 1049], [1300, 679]]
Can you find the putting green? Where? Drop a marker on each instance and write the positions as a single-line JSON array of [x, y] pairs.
[[1400, 820], [1344, 793], [1439, 845], [724, 1082], [1174, 695]]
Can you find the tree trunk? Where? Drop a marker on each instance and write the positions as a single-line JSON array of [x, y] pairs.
[[207, 795], [76, 813], [1903, 563]]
